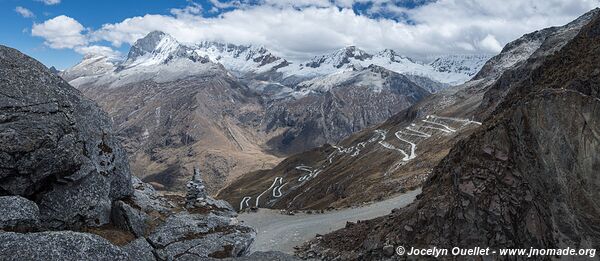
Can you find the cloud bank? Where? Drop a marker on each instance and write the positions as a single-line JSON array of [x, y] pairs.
[[304, 28]]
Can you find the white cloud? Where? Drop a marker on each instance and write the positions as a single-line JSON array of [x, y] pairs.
[[191, 9], [97, 50], [303, 28], [60, 32], [65, 32], [49, 2], [491, 44], [24, 12]]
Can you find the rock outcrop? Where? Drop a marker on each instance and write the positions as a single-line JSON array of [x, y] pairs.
[[528, 178], [56, 147], [187, 235]]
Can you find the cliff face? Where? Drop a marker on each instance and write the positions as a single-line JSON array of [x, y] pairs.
[[527, 178]]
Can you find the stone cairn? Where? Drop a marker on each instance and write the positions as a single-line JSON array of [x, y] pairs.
[[196, 193]]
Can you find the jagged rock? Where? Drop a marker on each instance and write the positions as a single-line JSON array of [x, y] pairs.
[[56, 146], [18, 212], [146, 197], [185, 235], [219, 207], [129, 218], [59, 246], [139, 250]]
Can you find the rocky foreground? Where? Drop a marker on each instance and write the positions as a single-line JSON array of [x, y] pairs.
[[528, 178], [66, 192]]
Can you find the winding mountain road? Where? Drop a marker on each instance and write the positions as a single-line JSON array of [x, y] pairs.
[[280, 232]]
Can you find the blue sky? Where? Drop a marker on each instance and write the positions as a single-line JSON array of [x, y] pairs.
[[16, 30], [60, 32]]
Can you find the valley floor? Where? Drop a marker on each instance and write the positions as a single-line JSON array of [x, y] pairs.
[[279, 232]]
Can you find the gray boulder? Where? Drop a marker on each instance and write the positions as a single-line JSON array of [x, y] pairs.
[[185, 236], [18, 212], [147, 199], [57, 146], [139, 250], [63, 246], [129, 218]]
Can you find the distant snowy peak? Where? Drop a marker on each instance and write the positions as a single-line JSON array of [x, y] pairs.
[[393, 57], [240, 59], [159, 51], [339, 58], [158, 48], [157, 57], [449, 69], [468, 64], [91, 65]]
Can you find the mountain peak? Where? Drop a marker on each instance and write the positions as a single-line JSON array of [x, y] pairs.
[[158, 48], [393, 56], [154, 42], [340, 57], [354, 52]]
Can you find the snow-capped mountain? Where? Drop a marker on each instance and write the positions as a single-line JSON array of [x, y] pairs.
[[451, 70], [240, 59], [157, 49], [157, 56], [374, 78], [90, 66]]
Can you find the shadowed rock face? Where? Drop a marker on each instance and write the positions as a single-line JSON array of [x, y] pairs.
[[56, 147], [529, 177]]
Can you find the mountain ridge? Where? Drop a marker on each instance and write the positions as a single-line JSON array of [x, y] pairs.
[[253, 61]]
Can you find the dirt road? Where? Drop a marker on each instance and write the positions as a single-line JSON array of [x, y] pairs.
[[282, 232]]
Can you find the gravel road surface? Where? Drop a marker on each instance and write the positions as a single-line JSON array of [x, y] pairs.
[[278, 232]]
